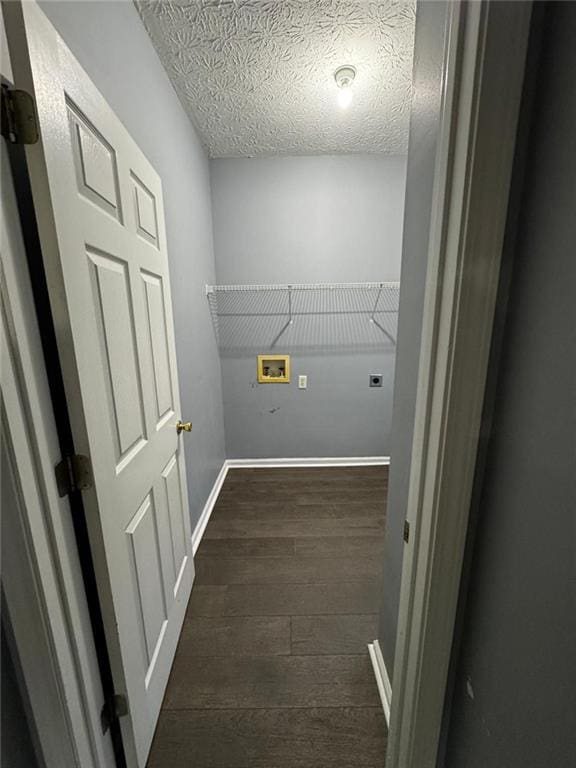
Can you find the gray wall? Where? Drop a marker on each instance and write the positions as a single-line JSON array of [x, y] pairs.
[[515, 690], [305, 220], [428, 53], [110, 42], [308, 219]]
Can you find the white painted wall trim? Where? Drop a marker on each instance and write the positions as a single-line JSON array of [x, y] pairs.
[[348, 461], [483, 74], [208, 507], [41, 574], [382, 679], [329, 461]]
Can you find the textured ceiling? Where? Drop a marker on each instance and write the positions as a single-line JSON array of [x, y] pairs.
[[257, 76]]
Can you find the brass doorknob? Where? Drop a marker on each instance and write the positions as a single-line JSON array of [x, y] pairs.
[[184, 426]]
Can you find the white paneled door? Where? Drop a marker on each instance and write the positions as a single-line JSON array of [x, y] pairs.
[[100, 213]]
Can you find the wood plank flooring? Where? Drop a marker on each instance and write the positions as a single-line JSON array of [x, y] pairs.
[[272, 669]]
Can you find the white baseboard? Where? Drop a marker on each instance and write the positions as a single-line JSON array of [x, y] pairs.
[[208, 507], [347, 461], [338, 461], [382, 679]]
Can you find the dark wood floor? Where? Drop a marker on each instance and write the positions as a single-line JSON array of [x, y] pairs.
[[272, 669]]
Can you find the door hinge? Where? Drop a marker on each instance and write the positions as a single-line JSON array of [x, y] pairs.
[[406, 531], [114, 708], [19, 121], [74, 473]]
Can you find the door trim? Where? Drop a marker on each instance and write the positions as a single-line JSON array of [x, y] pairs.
[[483, 71], [33, 277], [49, 581], [30, 596]]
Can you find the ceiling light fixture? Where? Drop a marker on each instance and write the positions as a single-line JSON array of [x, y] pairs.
[[344, 77]]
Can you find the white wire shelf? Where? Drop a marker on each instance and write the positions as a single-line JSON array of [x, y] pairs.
[[326, 314], [302, 287]]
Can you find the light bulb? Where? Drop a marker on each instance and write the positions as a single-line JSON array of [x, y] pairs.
[[345, 97]]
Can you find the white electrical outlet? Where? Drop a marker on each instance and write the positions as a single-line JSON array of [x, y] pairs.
[[302, 382]]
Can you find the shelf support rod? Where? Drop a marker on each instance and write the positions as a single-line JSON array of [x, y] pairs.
[[288, 323], [384, 331], [376, 303], [373, 316]]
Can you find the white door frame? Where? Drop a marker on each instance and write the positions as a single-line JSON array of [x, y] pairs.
[[41, 574], [482, 86], [27, 604]]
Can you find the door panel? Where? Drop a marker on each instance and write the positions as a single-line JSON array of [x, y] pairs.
[[149, 591], [158, 331], [95, 163], [173, 489], [115, 318], [146, 218], [101, 219]]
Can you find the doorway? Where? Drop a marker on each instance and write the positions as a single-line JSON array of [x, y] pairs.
[[319, 321]]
